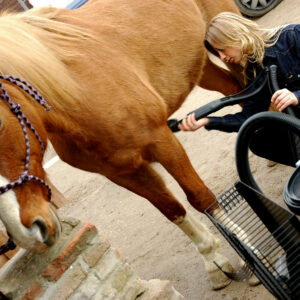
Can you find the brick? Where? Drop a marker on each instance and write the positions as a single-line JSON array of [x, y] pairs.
[[121, 276], [95, 251], [87, 289], [133, 289], [69, 254], [37, 288], [69, 224], [68, 283], [109, 262], [25, 266], [107, 293]]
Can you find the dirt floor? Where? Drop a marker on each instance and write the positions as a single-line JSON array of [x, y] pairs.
[[153, 246]]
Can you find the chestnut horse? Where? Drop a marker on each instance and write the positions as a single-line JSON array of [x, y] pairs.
[[113, 71]]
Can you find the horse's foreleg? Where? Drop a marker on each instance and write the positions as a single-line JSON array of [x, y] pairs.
[[169, 152], [145, 182], [208, 246]]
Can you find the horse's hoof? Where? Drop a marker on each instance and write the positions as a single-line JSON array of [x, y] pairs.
[[218, 279], [254, 281]]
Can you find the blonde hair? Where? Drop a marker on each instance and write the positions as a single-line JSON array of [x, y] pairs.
[[231, 30], [37, 47]]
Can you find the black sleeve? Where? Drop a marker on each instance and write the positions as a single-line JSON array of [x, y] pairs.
[[233, 122]]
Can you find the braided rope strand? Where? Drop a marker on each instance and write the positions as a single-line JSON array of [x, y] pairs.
[[24, 122], [30, 89]]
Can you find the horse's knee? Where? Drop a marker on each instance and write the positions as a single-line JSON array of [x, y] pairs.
[[202, 198], [171, 208]]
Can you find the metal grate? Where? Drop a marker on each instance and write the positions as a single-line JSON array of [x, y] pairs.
[[264, 234]]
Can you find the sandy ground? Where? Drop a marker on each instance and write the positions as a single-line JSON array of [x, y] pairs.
[[153, 246]]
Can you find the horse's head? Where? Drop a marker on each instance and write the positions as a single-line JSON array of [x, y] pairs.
[[25, 210]]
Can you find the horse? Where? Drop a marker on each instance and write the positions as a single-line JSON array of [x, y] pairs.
[[112, 72]]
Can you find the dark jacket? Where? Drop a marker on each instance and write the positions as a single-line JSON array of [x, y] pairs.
[[286, 55]]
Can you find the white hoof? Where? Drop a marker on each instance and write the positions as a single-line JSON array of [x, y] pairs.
[[218, 279], [254, 281]]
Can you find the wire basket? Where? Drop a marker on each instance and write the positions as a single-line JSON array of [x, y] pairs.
[[264, 234]]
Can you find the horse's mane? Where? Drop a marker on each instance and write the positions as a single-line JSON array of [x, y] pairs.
[[32, 47]]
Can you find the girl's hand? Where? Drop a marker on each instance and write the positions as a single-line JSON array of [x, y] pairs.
[[190, 124], [284, 98]]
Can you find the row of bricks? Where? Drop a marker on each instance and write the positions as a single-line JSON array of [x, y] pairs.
[[86, 268]]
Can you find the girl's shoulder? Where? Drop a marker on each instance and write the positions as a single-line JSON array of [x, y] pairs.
[[290, 28], [288, 35]]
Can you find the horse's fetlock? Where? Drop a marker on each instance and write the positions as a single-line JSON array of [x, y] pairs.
[[206, 247], [209, 245]]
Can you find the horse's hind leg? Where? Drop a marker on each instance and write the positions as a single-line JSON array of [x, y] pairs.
[[145, 182]]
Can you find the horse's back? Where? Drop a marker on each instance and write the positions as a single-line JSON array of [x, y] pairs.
[[158, 42]]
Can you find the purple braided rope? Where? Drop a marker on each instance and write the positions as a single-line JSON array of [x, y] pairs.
[[30, 126], [25, 86], [24, 177], [29, 90], [16, 109]]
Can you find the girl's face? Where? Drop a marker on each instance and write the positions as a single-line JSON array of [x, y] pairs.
[[230, 54]]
